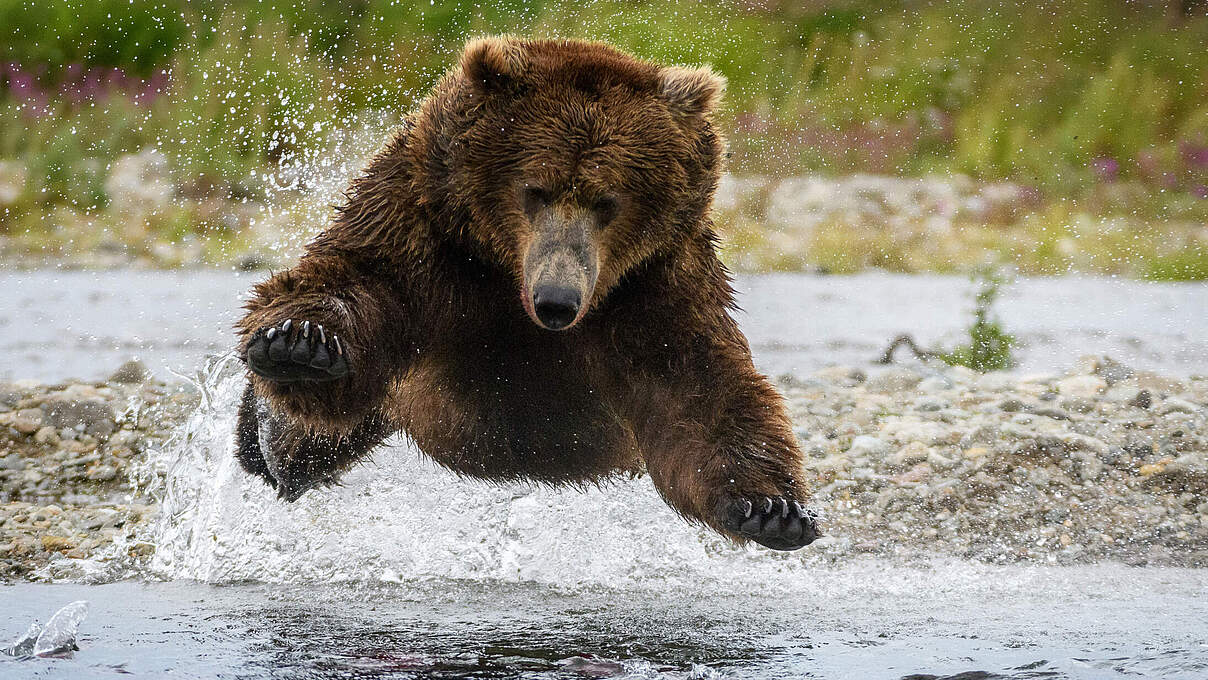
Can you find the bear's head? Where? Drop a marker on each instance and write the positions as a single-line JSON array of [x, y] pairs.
[[575, 163]]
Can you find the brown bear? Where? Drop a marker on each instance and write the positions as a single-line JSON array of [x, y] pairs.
[[525, 282]]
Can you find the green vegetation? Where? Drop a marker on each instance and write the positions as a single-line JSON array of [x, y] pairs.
[[989, 346], [1100, 107]]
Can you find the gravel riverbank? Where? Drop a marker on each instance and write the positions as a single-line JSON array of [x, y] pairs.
[[1099, 463], [67, 453]]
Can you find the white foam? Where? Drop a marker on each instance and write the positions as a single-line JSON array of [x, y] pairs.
[[401, 517]]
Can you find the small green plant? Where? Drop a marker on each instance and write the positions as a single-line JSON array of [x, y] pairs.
[[989, 347]]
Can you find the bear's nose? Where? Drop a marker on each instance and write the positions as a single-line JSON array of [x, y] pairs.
[[556, 306]]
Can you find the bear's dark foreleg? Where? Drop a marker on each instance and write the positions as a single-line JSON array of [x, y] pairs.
[[721, 450], [323, 342], [292, 459]]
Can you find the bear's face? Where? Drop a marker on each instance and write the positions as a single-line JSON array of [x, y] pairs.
[[579, 162]]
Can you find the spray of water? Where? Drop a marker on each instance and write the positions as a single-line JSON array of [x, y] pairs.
[[400, 517]]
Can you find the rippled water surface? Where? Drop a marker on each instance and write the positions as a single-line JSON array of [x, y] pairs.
[[866, 620]]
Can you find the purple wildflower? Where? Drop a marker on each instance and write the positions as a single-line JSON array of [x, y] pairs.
[[1194, 155], [1106, 168]]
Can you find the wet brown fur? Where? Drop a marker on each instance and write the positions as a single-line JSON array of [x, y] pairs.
[[421, 276]]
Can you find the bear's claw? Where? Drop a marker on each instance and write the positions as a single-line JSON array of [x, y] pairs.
[[289, 353], [776, 523]]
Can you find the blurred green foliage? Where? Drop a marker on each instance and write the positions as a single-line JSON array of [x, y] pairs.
[[989, 347], [1059, 95]]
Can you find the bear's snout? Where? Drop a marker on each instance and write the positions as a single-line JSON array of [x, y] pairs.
[[560, 268], [556, 307]]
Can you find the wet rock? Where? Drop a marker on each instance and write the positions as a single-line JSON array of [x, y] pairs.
[[911, 454], [1111, 370], [102, 473], [12, 461], [1049, 412], [893, 380], [984, 434], [57, 543], [25, 421], [1175, 405], [132, 372], [866, 446], [1142, 399], [1087, 465], [1081, 386], [1012, 405], [89, 415], [931, 405], [1082, 405], [47, 435]]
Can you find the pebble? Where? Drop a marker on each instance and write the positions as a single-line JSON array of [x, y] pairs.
[[1142, 399], [102, 473], [865, 446], [893, 380], [1081, 405], [132, 372], [1175, 405], [12, 461], [26, 421], [1081, 386]]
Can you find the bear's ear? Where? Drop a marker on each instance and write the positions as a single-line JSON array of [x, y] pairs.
[[690, 92], [493, 64]]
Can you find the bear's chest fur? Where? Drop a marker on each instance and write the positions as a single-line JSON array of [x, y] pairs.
[[496, 396]]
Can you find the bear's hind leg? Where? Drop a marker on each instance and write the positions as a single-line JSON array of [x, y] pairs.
[[247, 437], [291, 458]]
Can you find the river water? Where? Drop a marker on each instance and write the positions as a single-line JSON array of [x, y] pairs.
[[408, 572], [862, 621], [56, 325]]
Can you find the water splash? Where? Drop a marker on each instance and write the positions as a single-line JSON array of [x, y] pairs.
[[24, 645], [57, 638], [401, 517]]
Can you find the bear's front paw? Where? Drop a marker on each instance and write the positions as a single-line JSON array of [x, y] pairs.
[[294, 352], [775, 523]]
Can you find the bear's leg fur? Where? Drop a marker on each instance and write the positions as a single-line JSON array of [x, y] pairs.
[[720, 449], [323, 343], [292, 459]]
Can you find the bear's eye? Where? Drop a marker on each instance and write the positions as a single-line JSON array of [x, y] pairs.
[[535, 199], [606, 208]]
